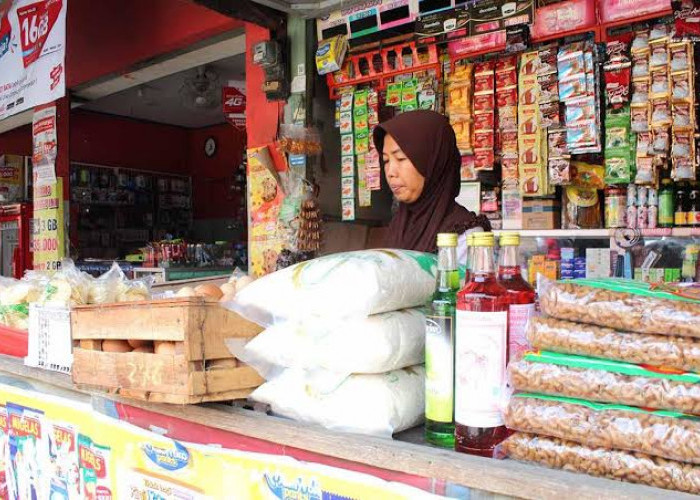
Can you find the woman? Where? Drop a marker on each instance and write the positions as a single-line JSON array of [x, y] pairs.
[[421, 162]]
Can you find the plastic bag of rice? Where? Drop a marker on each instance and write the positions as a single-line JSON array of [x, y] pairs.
[[379, 405], [376, 344], [344, 285]]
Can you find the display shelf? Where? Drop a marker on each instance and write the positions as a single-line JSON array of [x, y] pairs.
[[676, 232], [560, 233]]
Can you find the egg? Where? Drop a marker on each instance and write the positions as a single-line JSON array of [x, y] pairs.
[[111, 345], [186, 291], [228, 298], [209, 291], [228, 289], [136, 343], [148, 348], [171, 348], [243, 282]]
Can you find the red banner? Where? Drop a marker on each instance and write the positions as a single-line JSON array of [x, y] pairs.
[[564, 17], [234, 104], [619, 10]]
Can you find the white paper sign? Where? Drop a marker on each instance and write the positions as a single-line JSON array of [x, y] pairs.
[[32, 54], [45, 147]]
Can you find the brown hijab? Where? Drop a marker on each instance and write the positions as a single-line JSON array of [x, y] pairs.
[[429, 142]]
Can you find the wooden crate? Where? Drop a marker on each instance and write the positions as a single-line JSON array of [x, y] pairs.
[[201, 327]]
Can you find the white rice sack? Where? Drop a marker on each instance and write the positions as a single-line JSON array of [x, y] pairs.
[[375, 344], [380, 405], [353, 284]]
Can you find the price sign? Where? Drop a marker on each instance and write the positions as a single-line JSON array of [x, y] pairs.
[[48, 235]]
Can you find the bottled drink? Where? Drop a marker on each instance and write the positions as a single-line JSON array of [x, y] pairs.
[[470, 252], [693, 214], [439, 347], [521, 295], [666, 208], [681, 213], [481, 352]]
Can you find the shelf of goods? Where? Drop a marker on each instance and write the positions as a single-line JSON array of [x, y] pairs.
[[394, 468]]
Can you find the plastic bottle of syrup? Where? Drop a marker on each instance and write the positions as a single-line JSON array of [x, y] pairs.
[[481, 353], [520, 293], [439, 347]]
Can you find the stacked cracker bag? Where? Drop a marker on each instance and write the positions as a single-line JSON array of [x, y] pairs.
[[344, 344], [612, 388]]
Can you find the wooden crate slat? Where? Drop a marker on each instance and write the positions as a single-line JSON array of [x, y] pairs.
[[132, 370], [143, 320], [219, 324], [227, 379]]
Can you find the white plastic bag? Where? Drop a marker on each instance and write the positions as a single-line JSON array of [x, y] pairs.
[[353, 284], [377, 344], [379, 405]]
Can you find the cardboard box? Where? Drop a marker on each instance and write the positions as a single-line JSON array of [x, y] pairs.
[[541, 214]]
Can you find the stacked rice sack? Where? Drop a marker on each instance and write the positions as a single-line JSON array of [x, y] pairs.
[[345, 338], [612, 388]]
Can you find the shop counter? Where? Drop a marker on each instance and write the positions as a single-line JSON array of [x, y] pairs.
[[397, 463]]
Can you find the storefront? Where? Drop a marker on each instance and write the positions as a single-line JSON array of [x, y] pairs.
[[200, 137]]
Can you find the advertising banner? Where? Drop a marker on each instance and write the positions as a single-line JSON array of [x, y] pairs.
[[53, 447], [234, 102], [32, 53], [48, 238]]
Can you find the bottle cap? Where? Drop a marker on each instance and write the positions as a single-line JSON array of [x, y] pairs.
[[483, 239], [447, 240], [511, 239]]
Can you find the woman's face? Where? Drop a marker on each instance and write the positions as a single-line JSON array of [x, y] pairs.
[[403, 178]]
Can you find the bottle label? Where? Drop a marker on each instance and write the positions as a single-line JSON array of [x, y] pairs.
[[518, 316], [480, 367], [681, 219], [439, 368]]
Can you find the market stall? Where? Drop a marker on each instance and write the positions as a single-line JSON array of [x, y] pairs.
[[389, 373]]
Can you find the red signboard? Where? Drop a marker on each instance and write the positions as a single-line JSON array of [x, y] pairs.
[[35, 23], [620, 10], [234, 103], [564, 17], [486, 42]]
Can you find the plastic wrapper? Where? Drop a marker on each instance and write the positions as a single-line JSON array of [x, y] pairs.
[[675, 436], [550, 334], [623, 305], [377, 344], [297, 139], [601, 462], [607, 381], [379, 405], [69, 286], [344, 285]]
